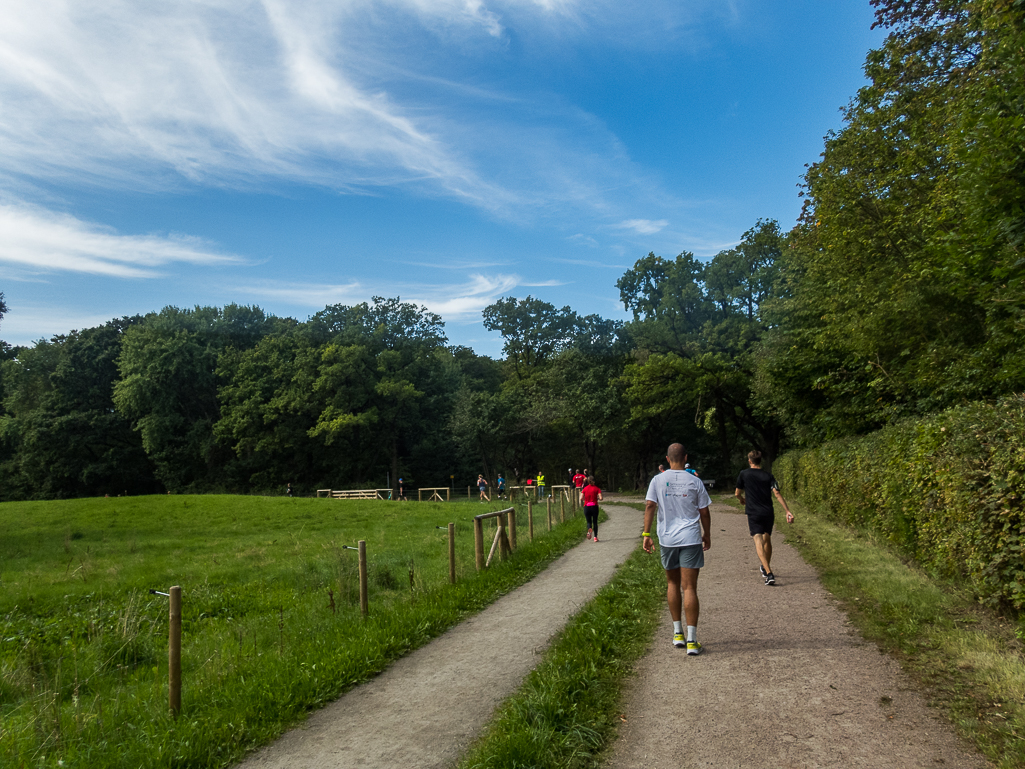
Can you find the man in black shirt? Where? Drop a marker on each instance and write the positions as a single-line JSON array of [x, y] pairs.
[[760, 487]]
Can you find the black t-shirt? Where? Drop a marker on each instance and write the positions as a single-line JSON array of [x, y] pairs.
[[757, 486]]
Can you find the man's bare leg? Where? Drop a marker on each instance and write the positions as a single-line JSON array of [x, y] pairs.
[[673, 593], [763, 547], [691, 605]]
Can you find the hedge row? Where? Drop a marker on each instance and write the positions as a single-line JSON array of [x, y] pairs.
[[947, 490]]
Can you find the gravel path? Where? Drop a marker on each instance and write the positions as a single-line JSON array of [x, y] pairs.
[[427, 708], [784, 680]]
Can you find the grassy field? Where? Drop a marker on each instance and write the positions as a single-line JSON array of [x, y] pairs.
[[271, 623], [968, 659]]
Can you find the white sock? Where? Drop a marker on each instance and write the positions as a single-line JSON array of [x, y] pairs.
[[692, 633], [678, 627]]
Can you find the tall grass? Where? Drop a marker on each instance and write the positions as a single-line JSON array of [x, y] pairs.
[[271, 622]]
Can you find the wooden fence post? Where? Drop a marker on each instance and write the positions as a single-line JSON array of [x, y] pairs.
[[549, 503], [478, 543], [562, 508], [452, 553], [512, 528], [174, 652], [503, 537], [530, 519], [364, 600]]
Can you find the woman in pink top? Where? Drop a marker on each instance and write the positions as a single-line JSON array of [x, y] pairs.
[[590, 496]]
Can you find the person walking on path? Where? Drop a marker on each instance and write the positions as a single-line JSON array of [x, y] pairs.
[[482, 484], [684, 533], [760, 487], [579, 480], [590, 496]]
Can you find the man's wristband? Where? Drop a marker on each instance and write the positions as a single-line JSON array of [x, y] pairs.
[[645, 534]]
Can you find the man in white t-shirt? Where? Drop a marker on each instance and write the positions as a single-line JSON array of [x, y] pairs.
[[684, 533]]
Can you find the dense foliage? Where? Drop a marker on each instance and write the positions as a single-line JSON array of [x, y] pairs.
[[903, 288], [948, 490]]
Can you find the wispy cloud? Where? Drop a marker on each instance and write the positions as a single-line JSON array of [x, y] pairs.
[[452, 301], [40, 241], [339, 93], [30, 323], [643, 226]]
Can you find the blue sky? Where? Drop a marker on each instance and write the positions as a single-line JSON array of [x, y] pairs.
[[451, 152]]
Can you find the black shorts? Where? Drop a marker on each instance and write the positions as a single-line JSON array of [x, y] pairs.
[[761, 524]]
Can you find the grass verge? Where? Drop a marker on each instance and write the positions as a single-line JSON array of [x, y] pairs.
[[968, 659], [565, 714]]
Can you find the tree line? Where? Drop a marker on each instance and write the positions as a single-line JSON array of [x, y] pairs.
[[900, 292]]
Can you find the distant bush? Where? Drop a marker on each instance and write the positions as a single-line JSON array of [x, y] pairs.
[[947, 490]]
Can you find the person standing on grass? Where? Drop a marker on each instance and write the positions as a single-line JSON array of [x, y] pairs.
[[540, 485], [590, 496], [760, 487], [482, 484], [681, 503]]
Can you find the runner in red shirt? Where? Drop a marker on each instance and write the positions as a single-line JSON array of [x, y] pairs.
[[590, 496], [579, 480]]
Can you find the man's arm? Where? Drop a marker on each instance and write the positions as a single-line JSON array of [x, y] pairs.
[[779, 496], [706, 527], [650, 508], [740, 496]]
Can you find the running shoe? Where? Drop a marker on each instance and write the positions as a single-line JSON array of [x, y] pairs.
[[679, 641], [589, 534], [770, 579], [595, 537], [693, 648], [763, 571]]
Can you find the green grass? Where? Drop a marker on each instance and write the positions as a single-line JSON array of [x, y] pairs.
[[271, 624], [565, 714], [967, 658]]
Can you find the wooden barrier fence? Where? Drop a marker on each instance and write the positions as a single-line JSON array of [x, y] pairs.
[[502, 540], [434, 494]]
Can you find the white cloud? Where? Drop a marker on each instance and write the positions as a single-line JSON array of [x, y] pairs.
[[339, 93], [40, 241], [450, 300], [643, 226]]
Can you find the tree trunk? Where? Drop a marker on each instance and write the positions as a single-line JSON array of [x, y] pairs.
[[395, 467]]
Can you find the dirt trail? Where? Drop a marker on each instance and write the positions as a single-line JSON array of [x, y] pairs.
[[784, 680], [427, 708]]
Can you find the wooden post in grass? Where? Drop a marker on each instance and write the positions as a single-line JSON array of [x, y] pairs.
[[512, 528], [478, 543], [452, 553], [530, 519], [562, 508], [174, 652], [364, 602], [549, 513], [503, 537]]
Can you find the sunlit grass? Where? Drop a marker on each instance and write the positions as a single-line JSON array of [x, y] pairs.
[[271, 621]]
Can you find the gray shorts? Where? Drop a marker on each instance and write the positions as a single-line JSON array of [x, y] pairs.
[[686, 557]]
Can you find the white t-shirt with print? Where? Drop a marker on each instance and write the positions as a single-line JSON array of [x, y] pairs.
[[679, 496]]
